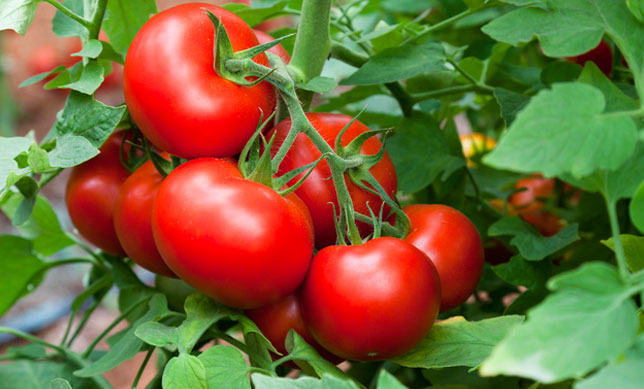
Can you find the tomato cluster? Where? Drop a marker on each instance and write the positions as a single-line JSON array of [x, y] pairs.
[[242, 243]]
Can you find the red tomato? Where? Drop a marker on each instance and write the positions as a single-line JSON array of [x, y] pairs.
[[453, 244], [175, 96], [277, 319], [318, 191], [133, 218], [234, 240], [601, 55], [91, 194], [373, 301], [530, 203], [278, 50]]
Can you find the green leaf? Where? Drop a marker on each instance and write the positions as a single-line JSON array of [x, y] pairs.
[[91, 49], [399, 63], [225, 368], [124, 18], [307, 358], [64, 26], [86, 117], [43, 227], [511, 103], [256, 15], [41, 76], [637, 8], [157, 334], [10, 148], [262, 381], [633, 249], [90, 78], [625, 372], [319, 84], [636, 208], [60, 383], [539, 138], [37, 159], [201, 314], [18, 260], [616, 100], [24, 374], [418, 141], [17, 15], [531, 244], [457, 342], [128, 345], [588, 321], [30, 351], [185, 372], [521, 272], [388, 381], [72, 150]]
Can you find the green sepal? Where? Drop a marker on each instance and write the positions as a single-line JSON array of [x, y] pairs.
[[284, 179], [256, 50]]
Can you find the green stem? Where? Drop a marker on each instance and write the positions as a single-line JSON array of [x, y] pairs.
[[452, 90], [110, 327], [312, 44], [229, 339], [47, 177], [142, 367], [440, 25], [617, 239], [635, 113], [84, 319], [475, 82], [97, 19], [84, 22]]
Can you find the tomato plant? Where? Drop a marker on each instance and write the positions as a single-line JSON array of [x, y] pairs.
[[332, 206], [210, 115], [352, 288]]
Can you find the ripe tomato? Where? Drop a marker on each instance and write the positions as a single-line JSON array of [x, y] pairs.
[[278, 50], [453, 244], [530, 203], [370, 302], [133, 218], [234, 240], [318, 190], [91, 194], [180, 103], [277, 319], [601, 55], [476, 143]]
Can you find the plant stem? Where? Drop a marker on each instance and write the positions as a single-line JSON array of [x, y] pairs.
[[617, 239], [444, 92], [83, 321], [478, 85], [84, 22], [109, 328], [142, 367], [312, 44], [97, 19], [440, 25]]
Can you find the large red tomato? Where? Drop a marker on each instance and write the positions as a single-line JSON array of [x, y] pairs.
[[175, 96], [453, 244], [91, 193], [133, 218], [530, 203], [278, 50], [318, 190], [277, 319], [235, 240], [373, 301]]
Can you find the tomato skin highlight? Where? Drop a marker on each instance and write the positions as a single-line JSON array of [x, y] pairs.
[[318, 190], [371, 302], [277, 319], [91, 194], [278, 50], [133, 218], [454, 246], [175, 96], [529, 204], [235, 240]]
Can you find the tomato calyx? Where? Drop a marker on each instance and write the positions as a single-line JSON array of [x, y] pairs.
[[223, 53]]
